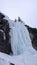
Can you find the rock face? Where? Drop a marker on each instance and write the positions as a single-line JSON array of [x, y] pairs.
[[33, 36], [4, 35]]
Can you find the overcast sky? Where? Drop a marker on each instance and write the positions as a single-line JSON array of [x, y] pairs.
[[26, 9]]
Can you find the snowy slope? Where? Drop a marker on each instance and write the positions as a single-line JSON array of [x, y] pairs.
[[11, 59], [18, 60], [23, 53]]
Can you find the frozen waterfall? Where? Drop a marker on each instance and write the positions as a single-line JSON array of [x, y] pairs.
[[20, 39]]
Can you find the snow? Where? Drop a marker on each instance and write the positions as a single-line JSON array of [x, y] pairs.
[[26, 59], [23, 52]]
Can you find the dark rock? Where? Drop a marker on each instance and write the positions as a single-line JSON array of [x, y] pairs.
[[5, 46], [12, 64], [1, 16], [33, 36]]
